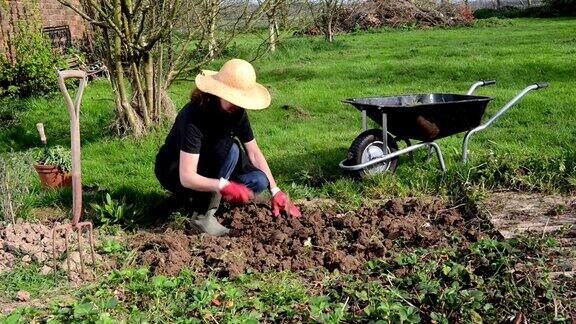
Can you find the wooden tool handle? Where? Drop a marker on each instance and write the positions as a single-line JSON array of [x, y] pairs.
[[40, 128]]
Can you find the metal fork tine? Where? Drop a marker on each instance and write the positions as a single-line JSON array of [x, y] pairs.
[[79, 229], [67, 250], [54, 257], [91, 242]]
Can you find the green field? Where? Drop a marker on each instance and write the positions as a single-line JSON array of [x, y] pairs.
[[305, 134]]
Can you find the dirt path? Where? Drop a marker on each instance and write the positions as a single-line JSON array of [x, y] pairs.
[[514, 213], [517, 213]]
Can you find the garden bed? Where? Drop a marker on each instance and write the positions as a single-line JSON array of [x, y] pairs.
[[321, 238]]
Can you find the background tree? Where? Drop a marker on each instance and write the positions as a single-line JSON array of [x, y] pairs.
[[325, 14], [147, 44], [281, 16]]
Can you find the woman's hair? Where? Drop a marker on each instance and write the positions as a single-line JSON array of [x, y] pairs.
[[202, 99]]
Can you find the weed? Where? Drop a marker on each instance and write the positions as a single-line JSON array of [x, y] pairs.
[[483, 282], [178, 221], [112, 246], [113, 213]]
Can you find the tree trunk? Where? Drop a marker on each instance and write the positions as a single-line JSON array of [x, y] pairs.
[[212, 43], [149, 77], [329, 32], [168, 109], [272, 34], [330, 7]]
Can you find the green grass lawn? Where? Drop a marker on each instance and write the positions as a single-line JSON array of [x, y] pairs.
[[305, 134], [307, 130]]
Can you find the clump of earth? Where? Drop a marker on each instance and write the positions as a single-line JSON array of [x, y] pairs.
[[320, 238], [26, 242]]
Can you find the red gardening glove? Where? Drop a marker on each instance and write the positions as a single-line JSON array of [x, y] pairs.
[[236, 193], [281, 203]]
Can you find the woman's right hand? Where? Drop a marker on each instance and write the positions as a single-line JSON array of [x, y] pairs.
[[236, 193]]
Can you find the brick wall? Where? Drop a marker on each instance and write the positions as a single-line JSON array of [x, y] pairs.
[[52, 14]]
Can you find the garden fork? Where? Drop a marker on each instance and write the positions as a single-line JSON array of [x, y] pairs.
[[75, 225]]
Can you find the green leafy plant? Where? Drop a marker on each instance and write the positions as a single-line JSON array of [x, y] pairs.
[[111, 247], [112, 213], [33, 70], [58, 156]]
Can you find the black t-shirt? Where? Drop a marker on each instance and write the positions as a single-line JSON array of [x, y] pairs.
[[208, 131]]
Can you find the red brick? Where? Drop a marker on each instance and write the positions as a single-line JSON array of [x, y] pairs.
[[53, 14]]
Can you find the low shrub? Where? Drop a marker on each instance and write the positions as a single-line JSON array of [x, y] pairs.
[[33, 71], [562, 7]]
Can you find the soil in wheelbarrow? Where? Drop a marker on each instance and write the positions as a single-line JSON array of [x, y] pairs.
[[320, 238]]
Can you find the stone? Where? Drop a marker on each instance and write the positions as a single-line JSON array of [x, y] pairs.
[[26, 259], [23, 296], [12, 246], [47, 242], [46, 270], [39, 257]]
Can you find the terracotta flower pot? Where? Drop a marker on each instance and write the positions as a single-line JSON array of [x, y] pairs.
[[52, 177]]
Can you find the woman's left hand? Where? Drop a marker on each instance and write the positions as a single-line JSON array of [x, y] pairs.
[[281, 203]]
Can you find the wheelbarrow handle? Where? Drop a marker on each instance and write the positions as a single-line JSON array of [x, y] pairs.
[[480, 84], [499, 113]]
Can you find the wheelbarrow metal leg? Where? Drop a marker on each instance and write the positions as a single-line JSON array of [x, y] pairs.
[[429, 154], [439, 153], [384, 133]]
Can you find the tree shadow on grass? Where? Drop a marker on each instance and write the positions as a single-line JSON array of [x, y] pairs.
[[141, 209]]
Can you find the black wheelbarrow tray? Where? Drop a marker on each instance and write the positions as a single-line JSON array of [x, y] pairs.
[[421, 117]]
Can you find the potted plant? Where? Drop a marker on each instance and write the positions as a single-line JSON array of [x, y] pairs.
[[53, 166]]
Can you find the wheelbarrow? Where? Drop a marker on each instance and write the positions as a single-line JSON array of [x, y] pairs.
[[422, 117]]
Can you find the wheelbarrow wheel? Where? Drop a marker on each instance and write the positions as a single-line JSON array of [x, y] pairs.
[[367, 147]]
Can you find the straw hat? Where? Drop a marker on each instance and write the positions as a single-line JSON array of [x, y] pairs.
[[235, 83]]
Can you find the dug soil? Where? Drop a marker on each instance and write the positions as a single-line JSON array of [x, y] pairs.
[[320, 238]]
